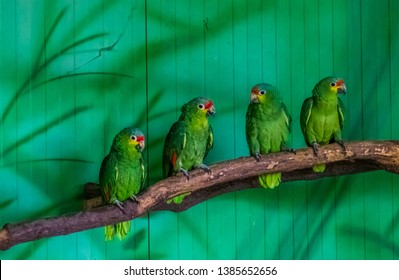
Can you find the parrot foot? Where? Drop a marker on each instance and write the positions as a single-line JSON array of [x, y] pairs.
[[257, 156], [205, 168], [341, 143], [134, 199], [315, 147], [119, 205], [185, 173]]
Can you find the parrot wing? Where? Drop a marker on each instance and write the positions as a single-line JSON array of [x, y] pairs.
[[287, 116], [251, 130], [174, 144], [248, 116], [143, 174], [108, 177], [209, 143], [248, 119], [306, 111], [341, 110]]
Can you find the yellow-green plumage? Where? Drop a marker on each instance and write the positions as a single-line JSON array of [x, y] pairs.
[[188, 140], [122, 175], [268, 125], [322, 116]]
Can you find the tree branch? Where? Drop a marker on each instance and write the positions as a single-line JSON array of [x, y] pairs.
[[228, 176]]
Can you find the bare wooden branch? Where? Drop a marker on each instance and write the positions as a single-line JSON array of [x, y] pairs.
[[227, 176]]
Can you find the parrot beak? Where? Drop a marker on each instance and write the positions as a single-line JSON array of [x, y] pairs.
[[141, 141], [341, 88], [211, 111], [254, 97]]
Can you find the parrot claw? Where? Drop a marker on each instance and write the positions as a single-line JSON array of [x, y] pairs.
[[257, 156], [119, 205], [134, 199], [205, 168], [185, 173], [315, 147], [341, 143]]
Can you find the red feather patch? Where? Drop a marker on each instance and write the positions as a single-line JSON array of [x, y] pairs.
[[339, 82], [208, 105], [106, 193], [173, 159]]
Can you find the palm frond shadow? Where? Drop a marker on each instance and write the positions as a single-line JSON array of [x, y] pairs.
[[9, 164], [49, 34], [29, 85], [92, 15], [23, 89], [302, 252], [383, 238], [40, 66], [68, 205], [40, 130], [135, 241], [373, 236], [332, 195], [159, 49], [6, 203], [185, 220], [27, 253]]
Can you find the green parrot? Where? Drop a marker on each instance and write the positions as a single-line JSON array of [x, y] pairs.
[[268, 125], [188, 141], [122, 175], [322, 116]]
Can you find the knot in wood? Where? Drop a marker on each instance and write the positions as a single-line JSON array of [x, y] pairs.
[[272, 164]]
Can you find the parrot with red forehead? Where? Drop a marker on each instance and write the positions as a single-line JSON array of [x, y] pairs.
[[268, 125], [189, 140], [122, 175], [322, 116]]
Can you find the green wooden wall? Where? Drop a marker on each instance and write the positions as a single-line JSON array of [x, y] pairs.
[[66, 89]]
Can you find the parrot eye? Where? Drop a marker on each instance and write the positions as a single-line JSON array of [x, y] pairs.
[[133, 137], [333, 84], [201, 106], [262, 92]]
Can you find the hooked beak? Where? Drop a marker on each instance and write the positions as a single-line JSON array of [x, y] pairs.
[[210, 109], [254, 98], [141, 144], [341, 88]]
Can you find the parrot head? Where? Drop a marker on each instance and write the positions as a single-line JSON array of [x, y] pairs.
[[129, 138], [199, 106], [262, 93], [332, 85]]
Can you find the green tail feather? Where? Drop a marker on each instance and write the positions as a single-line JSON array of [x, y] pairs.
[[178, 199], [270, 180], [121, 230], [319, 167]]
